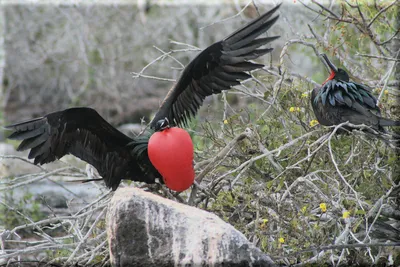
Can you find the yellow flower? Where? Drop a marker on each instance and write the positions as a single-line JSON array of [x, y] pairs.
[[304, 95], [322, 206], [226, 122], [313, 123], [281, 240], [386, 92], [304, 209], [293, 109], [346, 214], [264, 223]]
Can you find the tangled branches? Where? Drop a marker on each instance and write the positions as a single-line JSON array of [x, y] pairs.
[[72, 236]]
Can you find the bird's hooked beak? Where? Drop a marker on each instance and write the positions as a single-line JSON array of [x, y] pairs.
[[163, 124], [332, 68]]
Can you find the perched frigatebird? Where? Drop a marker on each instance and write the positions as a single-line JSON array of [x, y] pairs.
[[168, 153], [339, 100]]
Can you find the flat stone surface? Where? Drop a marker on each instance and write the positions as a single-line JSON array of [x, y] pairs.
[[148, 230]]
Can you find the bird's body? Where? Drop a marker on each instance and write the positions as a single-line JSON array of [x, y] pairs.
[[339, 100], [83, 133]]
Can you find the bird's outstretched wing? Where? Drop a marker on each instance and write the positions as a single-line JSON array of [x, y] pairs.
[[218, 67], [83, 133]]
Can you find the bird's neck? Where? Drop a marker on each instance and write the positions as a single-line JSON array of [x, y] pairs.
[[329, 78]]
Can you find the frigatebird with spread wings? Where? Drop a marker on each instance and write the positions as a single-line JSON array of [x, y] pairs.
[[83, 133]]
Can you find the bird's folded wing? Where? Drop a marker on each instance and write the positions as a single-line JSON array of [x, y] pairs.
[[339, 93]]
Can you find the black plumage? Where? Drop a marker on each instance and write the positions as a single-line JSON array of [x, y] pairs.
[[219, 67], [83, 133], [339, 100]]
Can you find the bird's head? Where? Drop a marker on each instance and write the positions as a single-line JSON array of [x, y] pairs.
[[336, 73], [161, 125]]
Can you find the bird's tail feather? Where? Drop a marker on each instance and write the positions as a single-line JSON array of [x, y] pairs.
[[391, 139], [394, 137], [84, 180], [388, 122]]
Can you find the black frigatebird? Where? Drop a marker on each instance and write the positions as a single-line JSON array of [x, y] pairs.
[[83, 133], [340, 100]]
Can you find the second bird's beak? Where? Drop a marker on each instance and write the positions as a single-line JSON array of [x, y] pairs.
[[330, 64]]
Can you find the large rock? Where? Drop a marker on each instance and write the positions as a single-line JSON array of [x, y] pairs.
[[148, 230]]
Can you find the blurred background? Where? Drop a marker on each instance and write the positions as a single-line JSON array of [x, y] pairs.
[[56, 56], [122, 57]]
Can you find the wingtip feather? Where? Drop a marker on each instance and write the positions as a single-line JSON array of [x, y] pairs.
[[24, 124], [254, 25]]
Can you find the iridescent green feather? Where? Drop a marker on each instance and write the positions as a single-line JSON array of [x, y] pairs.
[[334, 92], [140, 144]]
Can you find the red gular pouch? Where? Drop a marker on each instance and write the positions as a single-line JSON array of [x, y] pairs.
[[331, 76], [171, 152]]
